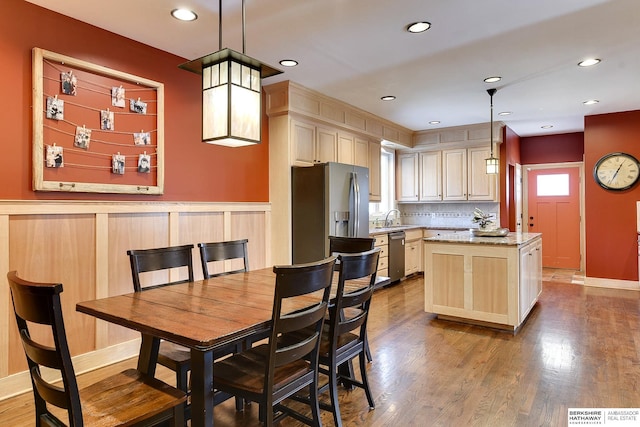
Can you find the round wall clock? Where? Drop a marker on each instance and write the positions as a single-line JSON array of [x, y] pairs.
[[616, 171]]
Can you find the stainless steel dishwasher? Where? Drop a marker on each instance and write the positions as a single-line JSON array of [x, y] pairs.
[[396, 255]]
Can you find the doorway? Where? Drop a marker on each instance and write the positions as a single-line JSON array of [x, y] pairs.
[[554, 206]]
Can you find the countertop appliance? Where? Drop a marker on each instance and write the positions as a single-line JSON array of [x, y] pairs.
[[327, 199], [396, 255]]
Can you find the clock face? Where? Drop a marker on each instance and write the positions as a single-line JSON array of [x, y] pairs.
[[616, 171]]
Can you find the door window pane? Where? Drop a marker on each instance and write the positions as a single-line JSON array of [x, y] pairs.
[[553, 185]]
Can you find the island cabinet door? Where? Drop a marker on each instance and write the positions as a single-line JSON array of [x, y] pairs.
[[530, 277]]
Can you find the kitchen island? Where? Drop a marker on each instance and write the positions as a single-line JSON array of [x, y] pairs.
[[491, 281]]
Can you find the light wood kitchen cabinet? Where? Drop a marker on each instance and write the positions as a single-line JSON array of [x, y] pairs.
[[361, 152], [430, 173], [413, 252], [481, 185], [375, 187], [313, 144], [454, 174], [382, 242], [407, 177], [530, 277], [464, 175], [346, 149]]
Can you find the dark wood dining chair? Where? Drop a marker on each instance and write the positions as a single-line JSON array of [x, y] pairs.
[[224, 251], [345, 336], [219, 252], [127, 398], [351, 245], [270, 372], [173, 356]]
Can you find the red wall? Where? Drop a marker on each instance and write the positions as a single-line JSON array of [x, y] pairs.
[[566, 147], [194, 171], [611, 239], [510, 156]]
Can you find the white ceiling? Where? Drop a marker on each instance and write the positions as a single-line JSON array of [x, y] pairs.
[[358, 51]]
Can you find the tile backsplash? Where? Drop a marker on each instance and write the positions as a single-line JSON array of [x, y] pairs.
[[456, 215]]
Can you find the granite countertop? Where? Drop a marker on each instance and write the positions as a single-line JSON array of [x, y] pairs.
[[511, 239]]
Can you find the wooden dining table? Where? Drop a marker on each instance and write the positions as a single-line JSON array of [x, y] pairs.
[[203, 316]]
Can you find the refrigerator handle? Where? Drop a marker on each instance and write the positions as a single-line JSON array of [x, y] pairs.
[[356, 204]]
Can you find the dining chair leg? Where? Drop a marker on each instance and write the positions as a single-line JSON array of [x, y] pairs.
[[333, 395], [367, 350], [365, 381], [314, 403]]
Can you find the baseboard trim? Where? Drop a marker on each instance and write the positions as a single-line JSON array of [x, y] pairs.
[[19, 383], [612, 283]]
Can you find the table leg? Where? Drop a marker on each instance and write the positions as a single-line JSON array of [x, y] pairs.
[[201, 388], [148, 355]]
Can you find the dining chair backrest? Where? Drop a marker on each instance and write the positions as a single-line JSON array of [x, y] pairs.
[[127, 398], [224, 251], [361, 267], [296, 336], [39, 303], [147, 260], [350, 244]]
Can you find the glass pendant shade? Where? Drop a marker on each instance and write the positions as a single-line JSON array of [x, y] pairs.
[[493, 165]]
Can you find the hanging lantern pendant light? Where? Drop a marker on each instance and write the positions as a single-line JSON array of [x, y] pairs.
[[231, 93], [492, 163]]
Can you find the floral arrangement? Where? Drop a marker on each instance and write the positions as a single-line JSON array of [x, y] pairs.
[[482, 219]]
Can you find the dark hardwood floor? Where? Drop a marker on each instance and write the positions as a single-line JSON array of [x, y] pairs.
[[580, 347]]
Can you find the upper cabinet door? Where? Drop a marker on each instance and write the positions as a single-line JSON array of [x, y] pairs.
[[304, 143], [431, 176], [407, 173], [361, 152], [481, 186], [375, 189], [326, 145], [345, 149], [454, 174]]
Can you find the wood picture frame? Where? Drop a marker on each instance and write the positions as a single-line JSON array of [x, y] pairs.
[[89, 168]]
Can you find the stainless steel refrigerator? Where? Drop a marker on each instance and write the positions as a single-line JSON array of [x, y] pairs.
[[328, 199]]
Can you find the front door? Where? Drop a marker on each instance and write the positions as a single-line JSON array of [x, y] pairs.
[[554, 211]]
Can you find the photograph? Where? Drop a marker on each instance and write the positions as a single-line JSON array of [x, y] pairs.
[[141, 138], [117, 164], [69, 83], [138, 106], [54, 157], [144, 163], [117, 96], [106, 120], [55, 108], [83, 137]]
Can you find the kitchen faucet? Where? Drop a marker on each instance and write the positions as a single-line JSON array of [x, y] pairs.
[[386, 218]]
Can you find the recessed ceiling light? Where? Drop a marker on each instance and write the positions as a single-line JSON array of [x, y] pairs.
[[546, 126], [505, 113], [591, 102], [589, 62], [492, 79], [418, 27], [184, 14], [434, 122], [288, 62], [388, 98]]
